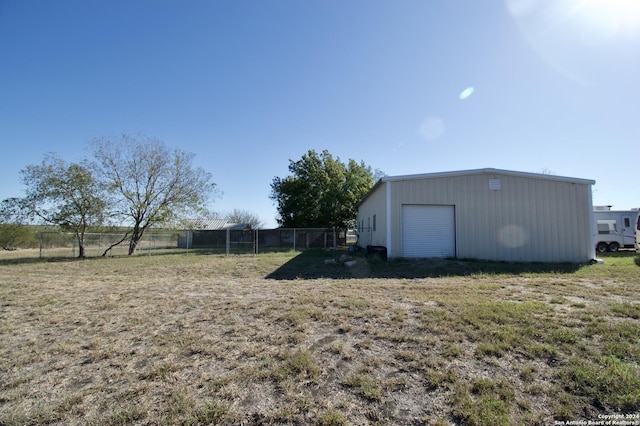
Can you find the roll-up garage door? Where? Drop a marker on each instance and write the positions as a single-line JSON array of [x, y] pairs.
[[428, 231]]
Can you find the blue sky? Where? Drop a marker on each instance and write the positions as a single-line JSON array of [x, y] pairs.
[[551, 86]]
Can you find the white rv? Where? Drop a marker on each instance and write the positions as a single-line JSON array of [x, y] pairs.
[[637, 233], [615, 229]]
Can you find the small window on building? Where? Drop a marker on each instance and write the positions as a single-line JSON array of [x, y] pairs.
[[374, 223]]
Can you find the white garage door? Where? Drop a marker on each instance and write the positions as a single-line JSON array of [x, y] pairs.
[[428, 231]]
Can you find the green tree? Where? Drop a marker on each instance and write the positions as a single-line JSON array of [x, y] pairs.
[[149, 183], [62, 194], [321, 191], [13, 233]]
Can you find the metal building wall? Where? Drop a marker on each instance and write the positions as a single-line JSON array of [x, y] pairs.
[[375, 205], [531, 218]]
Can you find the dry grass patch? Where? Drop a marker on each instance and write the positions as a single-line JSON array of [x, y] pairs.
[[287, 339]]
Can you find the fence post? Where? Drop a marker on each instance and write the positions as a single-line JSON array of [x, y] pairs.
[[256, 248], [334, 241], [294, 239], [228, 241]]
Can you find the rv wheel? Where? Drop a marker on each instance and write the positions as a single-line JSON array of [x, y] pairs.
[[602, 247], [614, 247]]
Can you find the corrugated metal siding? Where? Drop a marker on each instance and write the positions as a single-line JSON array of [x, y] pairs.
[[528, 219], [375, 205]]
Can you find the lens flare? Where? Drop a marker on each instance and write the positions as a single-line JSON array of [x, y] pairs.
[[466, 93], [432, 128], [513, 236]]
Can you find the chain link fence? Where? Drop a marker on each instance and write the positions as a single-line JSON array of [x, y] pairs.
[[263, 240], [61, 244]]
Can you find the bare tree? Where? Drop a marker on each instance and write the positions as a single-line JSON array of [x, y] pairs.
[[150, 184], [244, 216]]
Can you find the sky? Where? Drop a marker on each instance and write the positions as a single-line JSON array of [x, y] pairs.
[[407, 87]]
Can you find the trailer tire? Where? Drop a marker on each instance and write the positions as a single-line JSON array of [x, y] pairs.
[[602, 247], [613, 247]]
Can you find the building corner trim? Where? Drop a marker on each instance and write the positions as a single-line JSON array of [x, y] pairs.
[[389, 221]]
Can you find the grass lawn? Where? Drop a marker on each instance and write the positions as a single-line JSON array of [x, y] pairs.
[[286, 338]]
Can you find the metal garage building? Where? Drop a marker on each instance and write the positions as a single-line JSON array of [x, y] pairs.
[[480, 214]]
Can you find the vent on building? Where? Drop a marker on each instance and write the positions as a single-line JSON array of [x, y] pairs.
[[494, 185]]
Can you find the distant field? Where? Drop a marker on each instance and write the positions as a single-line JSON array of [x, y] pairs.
[[286, 338]]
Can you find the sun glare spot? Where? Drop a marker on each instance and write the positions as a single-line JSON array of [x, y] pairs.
[[589, 41], [596, 17], [613, 16]]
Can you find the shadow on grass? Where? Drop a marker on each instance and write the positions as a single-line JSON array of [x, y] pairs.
[[32, 260], [313, 264], [214, 251], [24, 260]]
